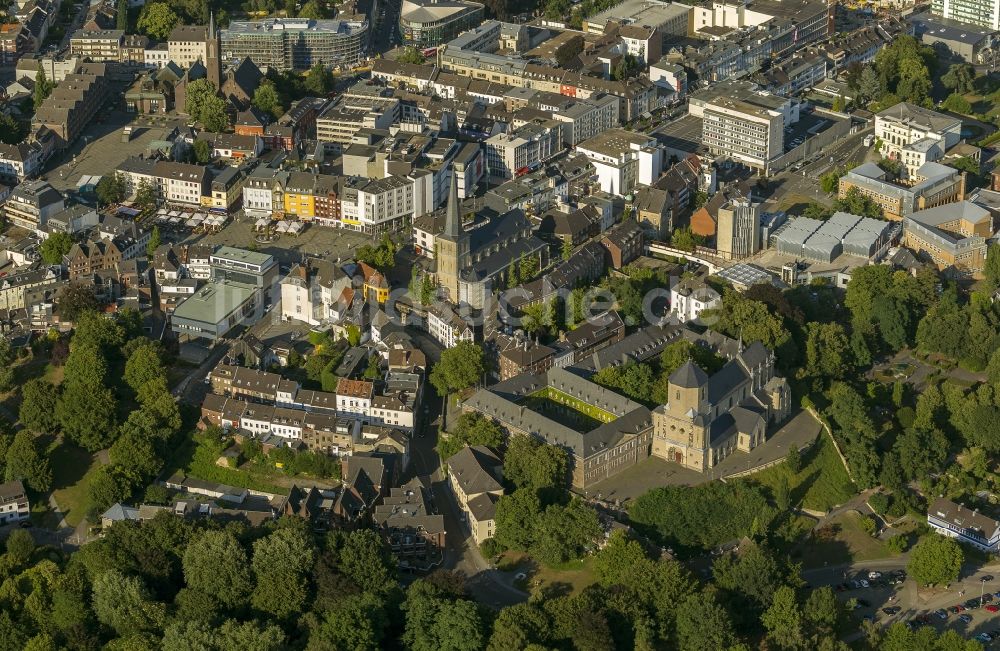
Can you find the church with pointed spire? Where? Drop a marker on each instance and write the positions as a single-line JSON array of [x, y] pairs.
[[709, 417], [470, 264]]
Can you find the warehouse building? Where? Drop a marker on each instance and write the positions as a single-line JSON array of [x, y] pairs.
[[825, 241]]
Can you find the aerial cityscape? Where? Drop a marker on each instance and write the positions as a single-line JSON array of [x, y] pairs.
[[556, 325]]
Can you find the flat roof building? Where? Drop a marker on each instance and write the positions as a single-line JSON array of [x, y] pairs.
[[425, 23], [296, 43]]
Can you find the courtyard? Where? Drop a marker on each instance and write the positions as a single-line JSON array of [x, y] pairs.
[[567, 410]]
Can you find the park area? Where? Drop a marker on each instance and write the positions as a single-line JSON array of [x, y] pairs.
[[569, 577]]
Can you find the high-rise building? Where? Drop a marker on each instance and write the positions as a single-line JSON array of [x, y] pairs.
[[973, 12]]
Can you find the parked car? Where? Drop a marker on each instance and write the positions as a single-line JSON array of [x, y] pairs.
[[993, 608], [892, 610], [972, 604], [988, 597], [874, 575], [965, 618], [942, 613], [984, 637], [864, 583], [954, 610], [988, 577]]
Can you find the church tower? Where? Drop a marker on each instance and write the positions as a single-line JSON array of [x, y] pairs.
[[213, 62], [688, 387], [452, 254]]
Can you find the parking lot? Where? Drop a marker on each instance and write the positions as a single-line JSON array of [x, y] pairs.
[[887, 597]]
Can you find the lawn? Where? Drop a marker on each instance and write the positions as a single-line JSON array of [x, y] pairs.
[[562, 407], [569, 577], [841, 541], [197, 457], [72, 469], [820, 485]]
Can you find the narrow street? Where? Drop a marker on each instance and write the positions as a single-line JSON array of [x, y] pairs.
[[487, 585]]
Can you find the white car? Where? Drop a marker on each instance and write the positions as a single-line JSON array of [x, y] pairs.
[[874, 575]]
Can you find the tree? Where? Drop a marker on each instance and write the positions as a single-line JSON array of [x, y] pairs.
[[870, 87], [110, 189], [515, 519], [991, 268], [567, 249], [27, 463], [935, 560], [529, 463], [55, 247], [410, 54], [146, 199], [232, 635], [959, 78], [121, 15], [859, 204], [794, 459], [266, 99], [318, 80], [472, 429], [459, 368], [459, 627], [839, 104], [43, 87], [281, 563], [111, 484], [216, 564], [198, 92], [202, 151], [213, 114], [564, 533], [157, 20], [358, 622], [828, 352], [144, 365], [38, 405], [123, 603], [685, 240], [312, 9], [703, 624], [11, 131], [20, 546], [783, 620]]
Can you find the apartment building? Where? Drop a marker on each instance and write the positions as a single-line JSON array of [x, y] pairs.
[[985, 13], [15, 42], [514, 154], [587, 118], [55, 69], [182, 183], [73, 103], [14, 505], [914, 135], [447, 327], [310, 197], [313, 290], [100, 45], [296, 43], [622, 160], [376, 205], [19, 161], [298, 123], [18, 288], [350, 113], [262, 192], [188, 44], [31, 204], [474, 476]]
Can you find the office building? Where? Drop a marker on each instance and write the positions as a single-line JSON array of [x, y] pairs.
[[509, 155], [296, 43], [914, 135], [742, 131], [934, 185], [350, 113], [425, 23]]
